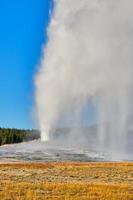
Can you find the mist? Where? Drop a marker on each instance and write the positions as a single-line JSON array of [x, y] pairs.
[[88, 61]]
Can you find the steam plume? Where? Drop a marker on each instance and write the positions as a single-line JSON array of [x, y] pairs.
[[88, 56]]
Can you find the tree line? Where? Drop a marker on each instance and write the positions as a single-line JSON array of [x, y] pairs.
[[9, 136]]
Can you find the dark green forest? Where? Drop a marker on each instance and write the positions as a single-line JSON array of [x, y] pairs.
[[9, 136]]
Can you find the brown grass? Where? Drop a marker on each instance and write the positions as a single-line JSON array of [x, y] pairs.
[[66, 181]]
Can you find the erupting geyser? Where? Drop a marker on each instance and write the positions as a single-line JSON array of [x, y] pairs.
[[88, 55]]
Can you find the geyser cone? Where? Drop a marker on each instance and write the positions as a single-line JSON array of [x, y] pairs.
[[44, 137]]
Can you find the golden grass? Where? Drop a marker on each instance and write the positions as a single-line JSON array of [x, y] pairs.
[[66, 181]]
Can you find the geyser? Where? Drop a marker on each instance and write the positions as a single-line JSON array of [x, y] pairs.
[[88, 56]]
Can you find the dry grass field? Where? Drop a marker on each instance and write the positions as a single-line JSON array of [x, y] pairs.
[[66, 181]]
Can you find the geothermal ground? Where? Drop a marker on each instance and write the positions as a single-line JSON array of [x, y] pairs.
[[37, 151]]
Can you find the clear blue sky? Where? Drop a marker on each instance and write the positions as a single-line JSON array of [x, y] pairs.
[[22, 33]]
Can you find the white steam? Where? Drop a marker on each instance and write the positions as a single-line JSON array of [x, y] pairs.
[[89, 54]]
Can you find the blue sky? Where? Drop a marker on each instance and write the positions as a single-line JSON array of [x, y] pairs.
[[22, 33]]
